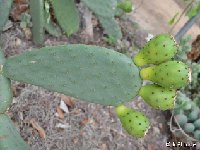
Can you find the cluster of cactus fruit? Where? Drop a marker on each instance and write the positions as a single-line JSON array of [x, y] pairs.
[[97, 75], [187, 115]]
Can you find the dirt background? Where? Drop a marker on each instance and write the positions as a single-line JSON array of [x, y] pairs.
[[89, 126]]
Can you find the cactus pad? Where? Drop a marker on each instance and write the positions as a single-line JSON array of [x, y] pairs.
[[10, 139], [5, 6], [159, 49], [37, 14], [171, 74], [90, 73], [158, 97], [134, 122], [67, 15]]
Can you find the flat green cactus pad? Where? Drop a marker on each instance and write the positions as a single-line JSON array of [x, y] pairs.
[[10, 139], [5, 6], [90, 73]]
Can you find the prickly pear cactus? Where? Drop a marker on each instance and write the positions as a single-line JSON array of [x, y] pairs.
[[105, 11], [106, 77], [158, 97], [111, 27], [171, 74], [67, 15], [10, 139], [37, 14], [134, 122], [94, 74], [158, 50], [5, 6], [5, 88]]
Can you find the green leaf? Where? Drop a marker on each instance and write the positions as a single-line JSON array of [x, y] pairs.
[[172, 20], [193, 12]]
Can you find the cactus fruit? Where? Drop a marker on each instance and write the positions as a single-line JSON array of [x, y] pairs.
[[189, 127], [94, 74], [197, 123], [158, 50], [158, 97], [37, 14], [10, 139], [181, 119], [197, 134], [134, 122], [126, 6], [171, 74], [5, 6], [67, 15]]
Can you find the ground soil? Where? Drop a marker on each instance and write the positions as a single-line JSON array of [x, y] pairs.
[[89, 126]]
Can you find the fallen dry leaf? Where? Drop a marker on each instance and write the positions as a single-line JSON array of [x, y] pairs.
[[38, 128], [68, 100], [60, 113], [85, 121], [64, 107]]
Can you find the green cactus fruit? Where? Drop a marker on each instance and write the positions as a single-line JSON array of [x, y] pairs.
[[126, 6], [197, 124], [197, 134], [159, 49], [181, 119], [10, 139], [5, 6], [193, 115], [158, 97], [90, 73], [171, 74], [189, 127], [37, 14], [134, 122], [67, 15]]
